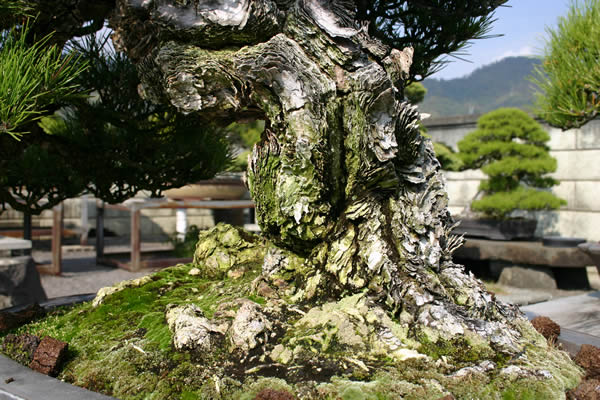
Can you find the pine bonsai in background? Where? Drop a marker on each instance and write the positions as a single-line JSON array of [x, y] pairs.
[[510, 147]]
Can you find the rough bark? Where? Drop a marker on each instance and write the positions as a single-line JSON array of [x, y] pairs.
[[345, 187]]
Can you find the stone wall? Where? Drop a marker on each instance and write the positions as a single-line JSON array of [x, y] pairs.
[[578, 155]]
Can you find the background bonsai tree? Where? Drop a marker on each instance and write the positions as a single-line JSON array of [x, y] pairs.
[[569, 76], [509, 146]]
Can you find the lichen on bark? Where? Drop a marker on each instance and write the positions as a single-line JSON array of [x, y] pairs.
[[356, 263]]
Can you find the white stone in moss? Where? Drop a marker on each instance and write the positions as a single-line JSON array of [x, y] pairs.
[[281, 354], [190, 329], [194, 271], [483, 367], [107, 291], [405, 354], [248, 326]]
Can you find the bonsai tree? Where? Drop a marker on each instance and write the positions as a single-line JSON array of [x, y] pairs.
[[351, 291], [509, 146], [569, 78]]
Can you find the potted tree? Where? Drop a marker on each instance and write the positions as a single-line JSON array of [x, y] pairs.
[[510, 148]]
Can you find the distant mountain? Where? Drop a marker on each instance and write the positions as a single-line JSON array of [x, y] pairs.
[[501, 84]]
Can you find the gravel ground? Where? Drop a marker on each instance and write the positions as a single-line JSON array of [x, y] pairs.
[[81, 274]]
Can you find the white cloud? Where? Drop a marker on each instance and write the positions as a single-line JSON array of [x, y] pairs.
[[523, 51]]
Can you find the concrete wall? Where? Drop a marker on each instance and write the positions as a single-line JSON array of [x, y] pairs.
[[578, 154]]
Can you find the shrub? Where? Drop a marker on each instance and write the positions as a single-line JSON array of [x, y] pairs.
[[510, 147]]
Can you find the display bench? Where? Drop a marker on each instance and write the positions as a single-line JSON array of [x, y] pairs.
[[134, 207], [537, 260]]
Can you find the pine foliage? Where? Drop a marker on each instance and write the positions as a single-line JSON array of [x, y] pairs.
[[33, 78], [510, 147], [112, 144], [434, 28], [449, 160], [569, 78]]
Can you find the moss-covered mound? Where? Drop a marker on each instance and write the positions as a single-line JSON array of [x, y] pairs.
[[220, 329]]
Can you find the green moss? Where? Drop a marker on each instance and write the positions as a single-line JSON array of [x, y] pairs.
[[224, 248], [468, 349], [123, 348]]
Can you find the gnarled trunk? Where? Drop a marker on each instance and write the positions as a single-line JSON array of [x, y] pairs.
[[345, 187]]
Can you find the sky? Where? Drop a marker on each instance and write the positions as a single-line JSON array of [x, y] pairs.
[[523, 25]]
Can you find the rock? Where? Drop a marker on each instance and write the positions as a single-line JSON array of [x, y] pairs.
[[225, 248], [482, 368], [547, 328], [588, 358], [107, 291], [266, 291], [350, 323], [9, 320], [248, 325], [194, 271], [587, 390], [191, 330], [20, 347], [236, 273], [19, 282], [526, 277], [281, 354], [272, 394], [48, 356]]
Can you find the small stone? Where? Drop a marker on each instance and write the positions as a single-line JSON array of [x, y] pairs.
[[236, 273], [48, 356], [107, 291], [248, 324], [194, 271], [512, 370], [191, 330], [281, 354], [547, 328], [266, 291], [588, 358], [20, 348], [272, 394]]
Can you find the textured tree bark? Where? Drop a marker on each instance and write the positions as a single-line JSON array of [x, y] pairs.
[[344, 184], [342, 177]]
